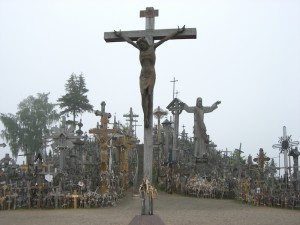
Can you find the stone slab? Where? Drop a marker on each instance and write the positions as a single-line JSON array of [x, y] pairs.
[[146, 220]]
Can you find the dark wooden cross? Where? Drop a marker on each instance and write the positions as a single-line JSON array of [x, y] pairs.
[[150, 34]]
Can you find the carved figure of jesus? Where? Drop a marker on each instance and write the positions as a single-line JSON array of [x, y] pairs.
[[147, 76], [200, 136]]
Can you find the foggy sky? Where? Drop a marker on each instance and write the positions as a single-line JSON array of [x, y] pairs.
[[247, 55]]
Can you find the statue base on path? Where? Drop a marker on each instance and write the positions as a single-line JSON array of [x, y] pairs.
[[146, 220], [147, 193]]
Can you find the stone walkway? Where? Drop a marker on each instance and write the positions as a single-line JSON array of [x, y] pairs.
[[172, 209]]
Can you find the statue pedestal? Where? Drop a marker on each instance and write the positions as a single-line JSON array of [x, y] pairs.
[[146, 204], [146, 220]]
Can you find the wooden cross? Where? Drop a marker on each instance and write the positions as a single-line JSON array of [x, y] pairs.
[[261, 159], [75, 196], [239, 161], [103, 137], [131, 116], [173, 81], [226, 152], [150, 35], [135, 125]]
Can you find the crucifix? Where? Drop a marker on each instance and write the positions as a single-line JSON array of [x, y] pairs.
[[103, 137], [146, 45]]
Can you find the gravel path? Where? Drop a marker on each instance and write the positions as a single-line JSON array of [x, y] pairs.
[[172, 209]]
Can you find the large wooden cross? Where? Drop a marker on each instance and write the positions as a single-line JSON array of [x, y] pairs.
[[150, 34], [103, 137]]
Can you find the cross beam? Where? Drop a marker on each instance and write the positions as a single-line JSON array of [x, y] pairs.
[[189, 33]]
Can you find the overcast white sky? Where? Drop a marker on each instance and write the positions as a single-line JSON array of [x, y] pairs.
[[247, 55]]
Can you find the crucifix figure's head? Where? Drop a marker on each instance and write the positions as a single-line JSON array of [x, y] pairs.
[[142, 43], [199, 102]]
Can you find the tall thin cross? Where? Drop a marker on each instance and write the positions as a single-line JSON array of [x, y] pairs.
[[103, 137], [226, 152], [135, 125], [159, 113], [151, 35], [285, 144], [176, 107], [131, 116], [239, 160], [173, 86]]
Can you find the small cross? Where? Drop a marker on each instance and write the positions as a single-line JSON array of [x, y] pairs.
[[239, 150], [104, 115], [131, 116]]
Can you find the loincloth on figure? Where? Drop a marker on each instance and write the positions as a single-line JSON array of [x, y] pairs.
[[147, 84]]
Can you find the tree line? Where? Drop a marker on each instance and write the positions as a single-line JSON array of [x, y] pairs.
[[24, 131]]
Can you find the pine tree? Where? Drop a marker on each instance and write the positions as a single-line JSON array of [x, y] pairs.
[[75, 100]]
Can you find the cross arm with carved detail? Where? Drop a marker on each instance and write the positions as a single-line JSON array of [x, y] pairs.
[[188, 33]]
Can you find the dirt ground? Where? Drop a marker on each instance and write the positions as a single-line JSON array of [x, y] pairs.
[[172, 209]]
